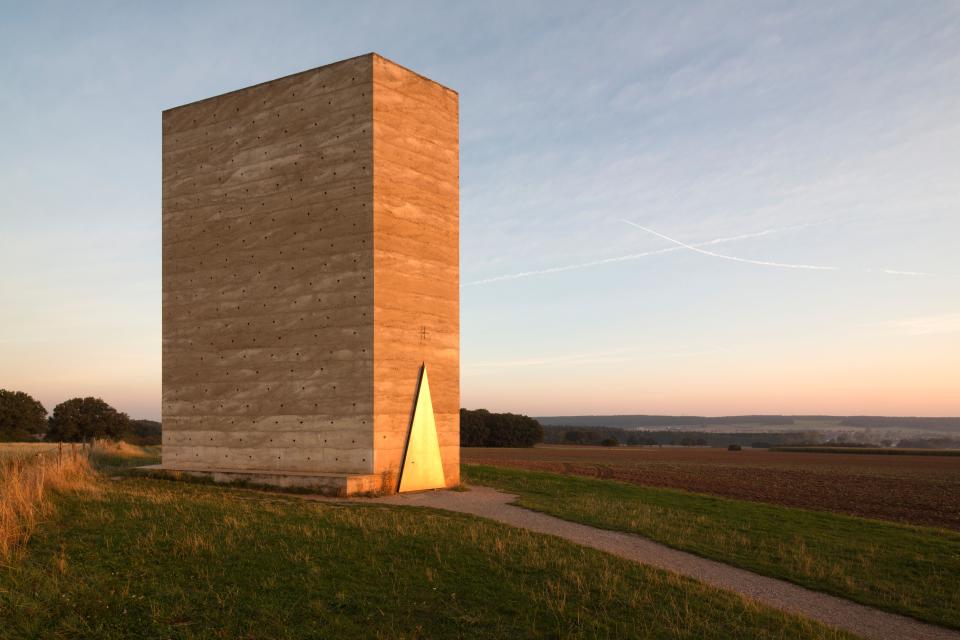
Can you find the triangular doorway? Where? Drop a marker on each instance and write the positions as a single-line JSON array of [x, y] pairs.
[[422, 466]]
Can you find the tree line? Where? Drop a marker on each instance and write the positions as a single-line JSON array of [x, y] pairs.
[[614, 436], [481, 428], [83, 419], [22, 417]]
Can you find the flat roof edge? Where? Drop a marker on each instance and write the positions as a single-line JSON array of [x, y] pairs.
[[371, 54]]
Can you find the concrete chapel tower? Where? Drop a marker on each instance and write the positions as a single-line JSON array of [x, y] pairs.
[[311, 281]]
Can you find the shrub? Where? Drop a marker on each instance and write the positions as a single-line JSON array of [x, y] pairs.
[[21, 417], [85, 419], [734, 447], [610, 442]]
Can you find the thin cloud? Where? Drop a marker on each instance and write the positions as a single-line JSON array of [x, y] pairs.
[[627, 257]]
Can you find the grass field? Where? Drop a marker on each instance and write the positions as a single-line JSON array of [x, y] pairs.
[[160, 559], [10, 450], [900, 568], [911, 489]]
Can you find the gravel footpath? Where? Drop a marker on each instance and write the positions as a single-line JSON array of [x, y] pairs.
[[836, 612]]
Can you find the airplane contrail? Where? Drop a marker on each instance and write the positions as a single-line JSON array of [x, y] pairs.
[[766, 263], [629, 256], [714, 254], [898, 272]]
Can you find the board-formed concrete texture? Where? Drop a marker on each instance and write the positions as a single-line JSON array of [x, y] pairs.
[[310, 268]]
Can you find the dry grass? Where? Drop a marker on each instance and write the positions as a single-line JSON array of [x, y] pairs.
[[9, 450], [26, 485], [118, 448]]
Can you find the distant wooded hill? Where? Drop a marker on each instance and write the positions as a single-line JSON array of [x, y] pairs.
[[651, 421]]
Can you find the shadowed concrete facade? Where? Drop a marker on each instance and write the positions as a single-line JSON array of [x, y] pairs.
[[310, 267]]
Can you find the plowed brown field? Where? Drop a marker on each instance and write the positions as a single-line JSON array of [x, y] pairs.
[[921, 490]]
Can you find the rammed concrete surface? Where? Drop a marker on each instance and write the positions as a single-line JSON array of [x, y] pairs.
[[327, 484], [310, 264], [416, 260]]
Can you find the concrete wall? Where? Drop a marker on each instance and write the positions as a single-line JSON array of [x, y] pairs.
[[310, 264], [416, 260], [268, 275]]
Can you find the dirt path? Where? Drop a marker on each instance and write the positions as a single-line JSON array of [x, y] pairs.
[[839, 613]]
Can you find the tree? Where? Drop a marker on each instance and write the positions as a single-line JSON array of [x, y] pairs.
[[480, 428], [145, 432], [21, 416], [82, 419], [473, 427], [610, 442]]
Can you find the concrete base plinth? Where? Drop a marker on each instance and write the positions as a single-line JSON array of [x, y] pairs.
[[333, 484]]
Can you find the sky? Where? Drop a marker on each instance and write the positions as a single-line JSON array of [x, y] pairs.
[[698, 208]]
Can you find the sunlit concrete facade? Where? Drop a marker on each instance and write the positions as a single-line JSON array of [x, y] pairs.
[[310, 267]]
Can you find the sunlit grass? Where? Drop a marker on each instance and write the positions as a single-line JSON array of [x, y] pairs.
[[148, 558], [901, 568]]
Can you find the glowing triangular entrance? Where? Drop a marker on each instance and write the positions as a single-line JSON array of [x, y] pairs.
[[422, 467]]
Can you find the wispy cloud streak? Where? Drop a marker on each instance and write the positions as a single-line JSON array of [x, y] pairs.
[[714, 254], [625, 258], [767, 263]]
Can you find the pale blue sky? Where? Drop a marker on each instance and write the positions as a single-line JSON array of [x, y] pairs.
[[835, 126]]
